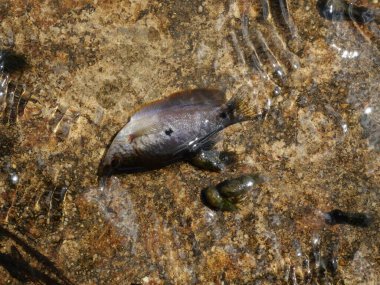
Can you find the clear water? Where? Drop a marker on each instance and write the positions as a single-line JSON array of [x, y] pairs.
[[92, 65]]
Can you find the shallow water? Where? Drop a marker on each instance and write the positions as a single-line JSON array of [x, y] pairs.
[[92, 65]]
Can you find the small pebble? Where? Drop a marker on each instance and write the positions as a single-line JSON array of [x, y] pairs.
[[277, 91], [14, 179]]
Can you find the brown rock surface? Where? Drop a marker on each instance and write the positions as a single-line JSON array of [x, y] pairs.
[[91, 65]]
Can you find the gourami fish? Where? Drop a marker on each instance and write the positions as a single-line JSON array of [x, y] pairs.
[[179, 126]]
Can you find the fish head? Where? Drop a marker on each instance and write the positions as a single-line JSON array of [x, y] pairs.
[[118, 155]]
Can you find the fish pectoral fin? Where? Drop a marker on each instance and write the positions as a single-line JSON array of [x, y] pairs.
[[211, 142], [142, 132], [194, 146]]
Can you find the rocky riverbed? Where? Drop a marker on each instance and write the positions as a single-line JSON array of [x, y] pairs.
[[92, 63]]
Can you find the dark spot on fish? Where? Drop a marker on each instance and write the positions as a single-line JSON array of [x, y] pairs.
[[168, 132], [336, 216]]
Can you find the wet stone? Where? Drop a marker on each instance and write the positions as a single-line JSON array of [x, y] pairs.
[[14, 179]]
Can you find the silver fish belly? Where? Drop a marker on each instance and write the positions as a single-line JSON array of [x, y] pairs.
[[166, 130]]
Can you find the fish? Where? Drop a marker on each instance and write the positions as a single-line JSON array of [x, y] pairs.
[[337, 216], [172, 129]]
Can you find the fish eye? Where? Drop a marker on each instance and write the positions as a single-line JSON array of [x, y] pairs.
[[115, 163], [168, 132], [223, 115]]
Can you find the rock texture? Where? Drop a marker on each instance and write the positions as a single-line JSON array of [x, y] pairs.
[[91, 63]]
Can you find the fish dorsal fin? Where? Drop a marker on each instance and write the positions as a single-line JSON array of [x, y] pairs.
[[210, 97], [192, 97]]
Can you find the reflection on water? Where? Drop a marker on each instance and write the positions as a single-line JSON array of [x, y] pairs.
[[116, 206]]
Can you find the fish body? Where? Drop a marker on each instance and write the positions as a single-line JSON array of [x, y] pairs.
[[167, 130]]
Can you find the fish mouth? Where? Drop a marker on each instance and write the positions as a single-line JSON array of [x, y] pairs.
[[104, 170], [108, 167], [116, 166]]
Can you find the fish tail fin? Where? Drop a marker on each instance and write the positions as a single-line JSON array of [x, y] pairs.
[[242, 107]]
